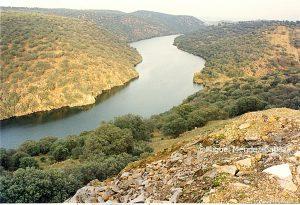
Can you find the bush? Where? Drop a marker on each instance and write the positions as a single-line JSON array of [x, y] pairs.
[[175, 127], [46, 143], [140, 128], [76, 152], [28, 162], [4, 158], [15, 159], [108, 140], [247, 104], [30, 147], [60, 153], [37, 186], [196, 119]]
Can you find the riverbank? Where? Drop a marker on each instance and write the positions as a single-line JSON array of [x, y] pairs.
[[165, 73]]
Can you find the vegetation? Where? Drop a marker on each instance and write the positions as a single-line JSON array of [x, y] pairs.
[[240, 49], [231, 89], [129, 26], [49, 62], [39, 171]]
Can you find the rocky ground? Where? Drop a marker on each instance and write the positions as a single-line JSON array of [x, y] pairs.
[[253, 159]]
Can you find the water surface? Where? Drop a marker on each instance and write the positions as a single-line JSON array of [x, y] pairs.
[[166, 79]]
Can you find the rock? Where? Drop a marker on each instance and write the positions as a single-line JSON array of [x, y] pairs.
[[100, 199], [139, 199], [238, 185], [244, 164], [105, 195], [230, 169], [176, 156], [205, 199], [297, 155], [125, 174], [288, 184], [176, 192], [284, 174], [252, 137], [233, 201], [281, 171], [244, 125]]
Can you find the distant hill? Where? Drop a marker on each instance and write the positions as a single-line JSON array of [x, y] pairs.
[[130, 26], [49, 62]]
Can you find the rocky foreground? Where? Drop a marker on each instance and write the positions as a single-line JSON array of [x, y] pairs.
[[255, 158]]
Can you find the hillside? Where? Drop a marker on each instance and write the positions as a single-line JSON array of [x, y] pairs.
[[49, 62], [249, 66], [242, 49], [130, 27], [259, 163]]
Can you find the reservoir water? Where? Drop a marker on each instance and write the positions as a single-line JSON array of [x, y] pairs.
[[165, 80]]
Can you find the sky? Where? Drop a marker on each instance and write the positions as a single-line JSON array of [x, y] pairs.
[[210, 10]]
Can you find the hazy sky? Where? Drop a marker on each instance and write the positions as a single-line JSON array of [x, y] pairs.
[[205, 9]]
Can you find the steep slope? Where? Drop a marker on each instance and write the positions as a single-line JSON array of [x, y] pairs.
[[253, 158], [130, 27], [49, 62]]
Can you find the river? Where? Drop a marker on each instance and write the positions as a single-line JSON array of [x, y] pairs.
[[165, 80]]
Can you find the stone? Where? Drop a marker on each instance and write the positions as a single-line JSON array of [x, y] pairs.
[[230, 169], [233, 201], [139, 199], [205, 199], [244, 164], [284, 174], [105, 195], [252, 137], [100, 199], [244, 125], [297, 155], [238, 185], [125, 174], [176, 192], [281, 171], [288, 184], [175, 156]]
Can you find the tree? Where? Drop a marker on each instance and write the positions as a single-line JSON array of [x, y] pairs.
[[15, 159], [31, 185], [109, 139], [46, 143], [60, 153], [196, 119], [4, 158], [30, 147], [140, 128], [28, 162], [175, 127], [247, 104]]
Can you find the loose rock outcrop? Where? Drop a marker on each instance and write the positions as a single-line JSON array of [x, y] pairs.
[[230, 169]]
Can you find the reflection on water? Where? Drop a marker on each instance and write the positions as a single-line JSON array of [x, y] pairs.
[[165, 80], [48, 116]]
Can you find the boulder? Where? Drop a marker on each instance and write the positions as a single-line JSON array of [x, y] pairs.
[[244, 164]]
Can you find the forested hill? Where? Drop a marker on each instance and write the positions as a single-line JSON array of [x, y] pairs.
[[49, 62], [243, 49], [129, 26]]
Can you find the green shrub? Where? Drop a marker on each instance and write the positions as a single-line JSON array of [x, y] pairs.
[[46, 143], [28, 162], [30, 147], [140, 128], [60, 153], [15, 159], [37, 186], [175, 127]]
